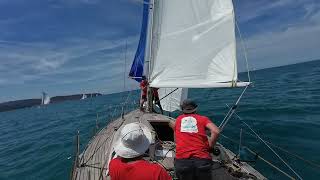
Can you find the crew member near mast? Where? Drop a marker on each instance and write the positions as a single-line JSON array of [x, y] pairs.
[[193, 160], [156, 99], [144, 89], [133, 141]]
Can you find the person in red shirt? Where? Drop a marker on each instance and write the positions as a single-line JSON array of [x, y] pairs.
[[144, 89], [193, 159], [156, 99], [134, 140]]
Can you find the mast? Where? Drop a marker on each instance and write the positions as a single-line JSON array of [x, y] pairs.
[[148, 54], [142, 62]]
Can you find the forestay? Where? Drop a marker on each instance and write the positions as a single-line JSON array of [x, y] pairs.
[[193, 44]]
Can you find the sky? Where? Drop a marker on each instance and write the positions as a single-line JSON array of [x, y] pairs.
[[79, 46]]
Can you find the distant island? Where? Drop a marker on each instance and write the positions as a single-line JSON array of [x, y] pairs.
[[19, 104]]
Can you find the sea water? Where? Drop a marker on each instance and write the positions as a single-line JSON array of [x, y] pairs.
[[282, 106]]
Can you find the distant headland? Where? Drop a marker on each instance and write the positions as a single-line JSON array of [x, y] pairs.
[[19, 104]]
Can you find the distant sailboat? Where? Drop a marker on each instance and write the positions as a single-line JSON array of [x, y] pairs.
[[84, 96], [45, 99]]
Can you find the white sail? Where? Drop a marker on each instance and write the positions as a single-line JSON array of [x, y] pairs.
[[193, 44], [45, 99], [171, 98], [84, 96]]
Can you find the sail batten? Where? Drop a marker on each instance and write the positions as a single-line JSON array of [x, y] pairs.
[[195, 46]]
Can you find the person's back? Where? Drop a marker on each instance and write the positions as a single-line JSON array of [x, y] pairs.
[[191, 138], [193, 160], [141, 169]]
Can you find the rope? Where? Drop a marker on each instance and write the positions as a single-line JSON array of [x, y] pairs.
[[91, 166], [96, 150], [261, 158]]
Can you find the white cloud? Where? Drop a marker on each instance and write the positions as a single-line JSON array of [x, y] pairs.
[[255, 9], [23, 62], [295, 43], [48, 64]]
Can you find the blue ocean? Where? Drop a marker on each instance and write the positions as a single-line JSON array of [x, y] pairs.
[[282, 106]]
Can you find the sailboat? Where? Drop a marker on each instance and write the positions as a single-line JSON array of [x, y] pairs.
[[183, 44], [45, 99], [84, 96]]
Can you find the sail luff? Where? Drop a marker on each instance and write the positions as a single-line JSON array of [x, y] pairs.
[[149, 54], [235, 70]]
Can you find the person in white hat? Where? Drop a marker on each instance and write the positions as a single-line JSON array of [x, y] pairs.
[[133, 142], [193, 160]]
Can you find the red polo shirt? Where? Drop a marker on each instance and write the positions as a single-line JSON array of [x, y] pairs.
[[191, 138], [143, 86], [137, 170]]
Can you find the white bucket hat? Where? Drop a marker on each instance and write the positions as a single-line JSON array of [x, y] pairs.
[[134, 140]]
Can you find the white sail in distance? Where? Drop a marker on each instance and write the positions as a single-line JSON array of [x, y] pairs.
[[193, 44], [171, 98], [45, 99], [84, 96]]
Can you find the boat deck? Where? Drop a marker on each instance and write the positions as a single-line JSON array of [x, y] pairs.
[[93, 162]]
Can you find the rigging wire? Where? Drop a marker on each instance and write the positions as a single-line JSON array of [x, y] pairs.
[[269, 147], [274, 151], [231, 111], [168, 94], [244, 50], [125, 66], [258, 156], [312, 163]]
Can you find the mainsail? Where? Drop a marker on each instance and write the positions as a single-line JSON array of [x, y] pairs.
[[193, 44]]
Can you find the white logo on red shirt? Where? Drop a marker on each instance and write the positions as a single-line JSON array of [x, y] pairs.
[[189, 125]]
